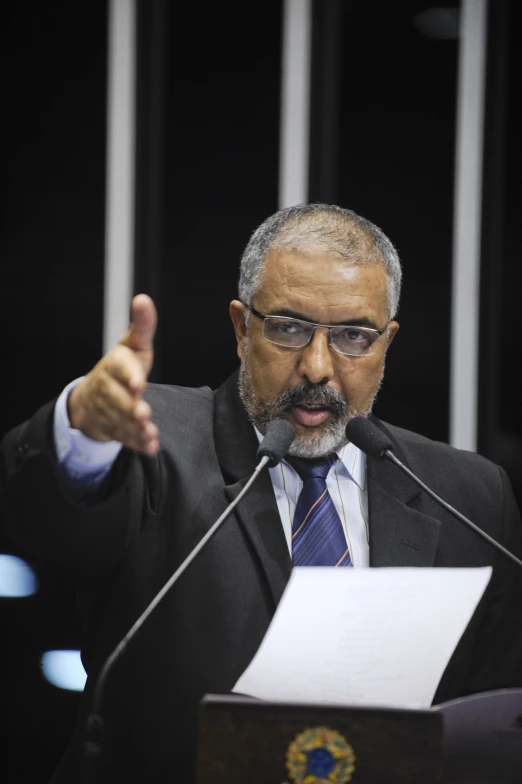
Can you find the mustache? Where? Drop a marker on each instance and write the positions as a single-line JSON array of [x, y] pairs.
[[311, 393]]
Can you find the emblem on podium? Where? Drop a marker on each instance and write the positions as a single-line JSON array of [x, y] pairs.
[[320, 755]]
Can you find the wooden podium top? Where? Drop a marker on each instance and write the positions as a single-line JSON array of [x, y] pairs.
[[247, 741], [472, 740]]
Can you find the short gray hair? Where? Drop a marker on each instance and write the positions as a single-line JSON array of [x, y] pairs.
[[332, 229]]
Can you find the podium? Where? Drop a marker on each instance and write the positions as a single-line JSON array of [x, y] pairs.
[[474, 740]]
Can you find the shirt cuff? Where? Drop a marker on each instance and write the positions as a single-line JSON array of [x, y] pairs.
[[81, 458]]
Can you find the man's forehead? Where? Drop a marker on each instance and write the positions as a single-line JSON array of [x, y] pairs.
[[318, 270], [317, 253]]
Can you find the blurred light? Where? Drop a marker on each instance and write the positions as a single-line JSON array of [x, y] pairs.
[[16, 577], [64, 669], [440, 24]]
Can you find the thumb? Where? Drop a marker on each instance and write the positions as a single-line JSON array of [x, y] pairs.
[[144, 318]]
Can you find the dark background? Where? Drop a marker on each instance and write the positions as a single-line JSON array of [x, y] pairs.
[[383, 138]]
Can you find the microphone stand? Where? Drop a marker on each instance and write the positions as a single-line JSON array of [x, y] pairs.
[[372, 441], [94, 727], [388, 454]]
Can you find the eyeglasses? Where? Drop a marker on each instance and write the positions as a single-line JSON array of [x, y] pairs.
[[296, 333]]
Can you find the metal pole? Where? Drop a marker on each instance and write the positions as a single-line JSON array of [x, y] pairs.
[[295, 103], [119, 210], [467, 225]]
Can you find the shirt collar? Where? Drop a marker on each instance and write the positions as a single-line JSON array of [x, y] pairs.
[[353, 460]]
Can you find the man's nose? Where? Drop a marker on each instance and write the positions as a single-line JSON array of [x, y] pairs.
[[315, 360]]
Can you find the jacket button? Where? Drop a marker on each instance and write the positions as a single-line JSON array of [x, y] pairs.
[[21, 451]]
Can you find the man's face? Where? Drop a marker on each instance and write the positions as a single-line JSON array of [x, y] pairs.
[[316, 388]]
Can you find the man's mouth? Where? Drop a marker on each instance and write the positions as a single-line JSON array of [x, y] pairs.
[[311, 414]]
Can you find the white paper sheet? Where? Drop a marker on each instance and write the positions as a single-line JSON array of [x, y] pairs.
[[364, 636]]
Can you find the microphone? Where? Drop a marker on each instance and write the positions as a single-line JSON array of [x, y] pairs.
[[276, 443], [367, 436], [363, 434]]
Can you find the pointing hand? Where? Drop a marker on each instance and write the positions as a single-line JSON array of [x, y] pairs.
[[108, 405]]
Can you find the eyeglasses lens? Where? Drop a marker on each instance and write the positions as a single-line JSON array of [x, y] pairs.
[[354, 341], [287, 332]]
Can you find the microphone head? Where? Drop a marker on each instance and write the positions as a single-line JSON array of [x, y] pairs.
[[367, 436], [277, 441]]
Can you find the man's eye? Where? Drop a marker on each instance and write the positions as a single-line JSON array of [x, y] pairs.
[[287, 327], [356, 340], [354, 336]]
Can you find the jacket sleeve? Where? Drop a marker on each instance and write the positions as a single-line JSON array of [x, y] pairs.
[[89, 535]]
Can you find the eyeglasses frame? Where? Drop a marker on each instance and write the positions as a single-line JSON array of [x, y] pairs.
[[329, 327]]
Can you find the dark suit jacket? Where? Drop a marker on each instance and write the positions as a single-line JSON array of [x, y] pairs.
[[127, 541]]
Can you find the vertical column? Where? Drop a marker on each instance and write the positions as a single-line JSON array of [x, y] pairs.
[[467, 225], [151, 160], [119, 210], [295, 103], [325, 99], [494, 234]]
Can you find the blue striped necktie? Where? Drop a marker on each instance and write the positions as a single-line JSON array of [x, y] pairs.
[[317, 533]]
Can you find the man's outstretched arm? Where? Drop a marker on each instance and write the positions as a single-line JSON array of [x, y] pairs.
[[107, 406]]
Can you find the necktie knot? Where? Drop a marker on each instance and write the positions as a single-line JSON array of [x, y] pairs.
[[317, 468]]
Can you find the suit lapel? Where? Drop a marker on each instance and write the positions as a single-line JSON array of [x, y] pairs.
[[400, 534], [236, 446]]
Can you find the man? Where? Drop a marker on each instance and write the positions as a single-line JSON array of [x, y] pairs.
[[130, 477]]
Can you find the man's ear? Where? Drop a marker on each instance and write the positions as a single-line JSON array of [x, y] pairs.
[[391, 330], [238, 313]]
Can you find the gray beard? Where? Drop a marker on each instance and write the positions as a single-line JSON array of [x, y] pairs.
[[318, 442]]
